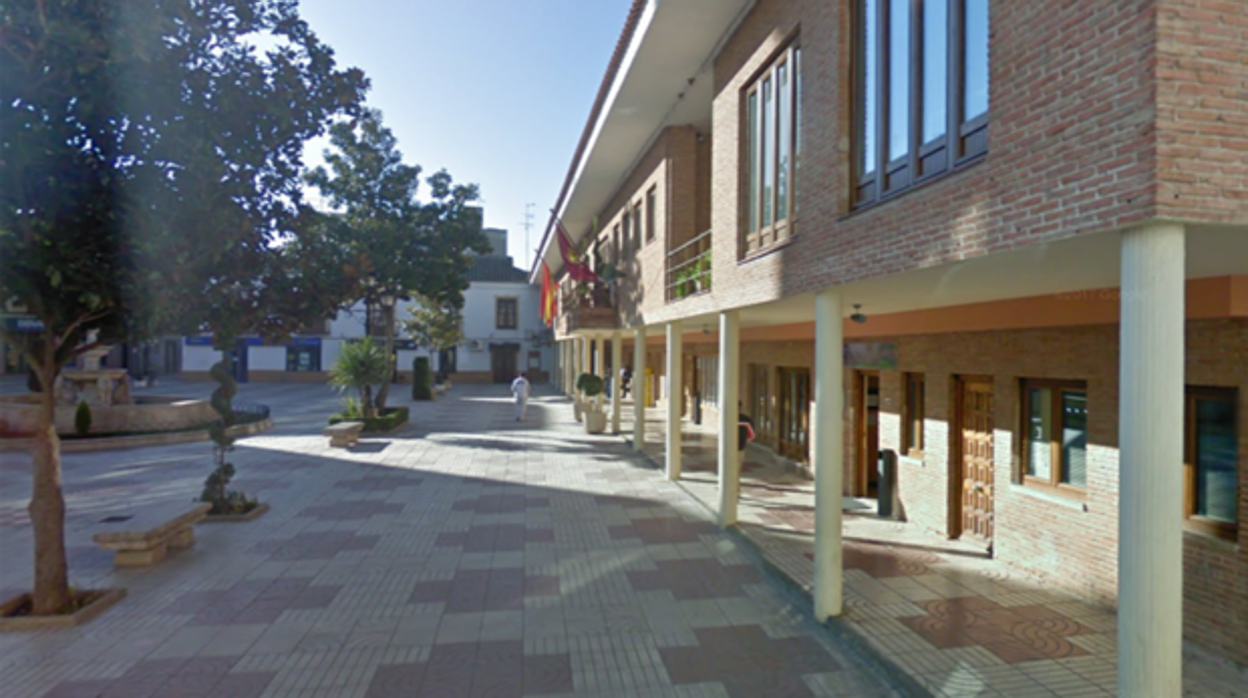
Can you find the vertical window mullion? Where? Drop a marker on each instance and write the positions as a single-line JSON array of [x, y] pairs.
[[953, 98], [881, 97], [914, 136]]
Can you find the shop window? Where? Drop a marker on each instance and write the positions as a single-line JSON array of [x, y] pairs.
[[1055, 436], [760, 402], [912, 419], [1211, 462], [300, 359], [794, 388], [708, 379]]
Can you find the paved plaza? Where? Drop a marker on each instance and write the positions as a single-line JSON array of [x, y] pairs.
[[464, 555]]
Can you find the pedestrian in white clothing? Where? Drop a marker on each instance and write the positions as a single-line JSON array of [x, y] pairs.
[[520, 389]]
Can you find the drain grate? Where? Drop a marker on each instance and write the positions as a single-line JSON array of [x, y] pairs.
[[116, 519]]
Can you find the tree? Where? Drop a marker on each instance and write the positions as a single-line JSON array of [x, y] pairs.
[[149, 180], [359, 366], [397, 245], [433, 325]]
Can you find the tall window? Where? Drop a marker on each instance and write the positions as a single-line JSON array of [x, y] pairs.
[[912, 424], [773, 137], [708, 378], [921, 91], [1055, 437], [794, 394], [760, 401], [650, 197], [637, 221], [1211, 460], [505, 313], [627, 235]]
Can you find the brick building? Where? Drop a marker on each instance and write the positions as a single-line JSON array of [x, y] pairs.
[[1006, 241]]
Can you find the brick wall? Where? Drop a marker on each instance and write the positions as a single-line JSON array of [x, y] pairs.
[[1073, 542], [1202, 110], [1072, 149]]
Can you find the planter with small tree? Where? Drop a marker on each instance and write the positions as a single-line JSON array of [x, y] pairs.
[[592, 387]]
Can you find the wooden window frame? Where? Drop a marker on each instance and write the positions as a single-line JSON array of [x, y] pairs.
[[627, 233], [1212, 527], [912, 416], [963, 142], [499, 317], [638, 238], [755, 235], [651, 196], [1054, 481]]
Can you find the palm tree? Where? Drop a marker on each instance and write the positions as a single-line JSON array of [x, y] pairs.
[[359, 366]]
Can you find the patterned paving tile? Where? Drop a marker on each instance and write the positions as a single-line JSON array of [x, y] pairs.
[[668, 529], [1015, 634], [489, 538], [351, 511], [485, 590], [696, 579], [747, 662], [501, 503]]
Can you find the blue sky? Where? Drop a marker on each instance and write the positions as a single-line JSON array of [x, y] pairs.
[[495, 91]]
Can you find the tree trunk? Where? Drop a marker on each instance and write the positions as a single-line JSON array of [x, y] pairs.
[[47, 502], [366, 401], [387, 314]]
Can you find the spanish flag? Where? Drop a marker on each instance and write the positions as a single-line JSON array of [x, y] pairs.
[[550, 302]]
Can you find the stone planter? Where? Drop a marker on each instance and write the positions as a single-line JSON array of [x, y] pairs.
[[107, 598], [595, 421], [237, 518]]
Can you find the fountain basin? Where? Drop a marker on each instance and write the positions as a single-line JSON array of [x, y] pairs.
[[148, 413]]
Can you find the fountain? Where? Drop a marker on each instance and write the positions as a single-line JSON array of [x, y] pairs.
[[93, 384], [107, 392]]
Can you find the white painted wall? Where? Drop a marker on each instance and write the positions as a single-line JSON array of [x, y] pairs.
[[199, 358], [266, 358], [479, 324]]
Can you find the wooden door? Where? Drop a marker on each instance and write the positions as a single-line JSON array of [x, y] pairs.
[[974, 463], [868, 447], [794, 403], [503, 363]]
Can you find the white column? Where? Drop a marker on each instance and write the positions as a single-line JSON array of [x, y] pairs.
[[559, 364], [729, 417], [828, 442], [675, 342], [1150, 451], [639, 390], [569, 372], [617, 359]]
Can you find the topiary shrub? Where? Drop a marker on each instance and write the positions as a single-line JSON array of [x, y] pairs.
[[590, 385], [422, 379], [82, 418]]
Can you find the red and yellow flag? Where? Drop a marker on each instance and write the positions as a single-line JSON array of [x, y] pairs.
[[550, 301]]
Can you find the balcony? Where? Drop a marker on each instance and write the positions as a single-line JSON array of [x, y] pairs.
[[689, 268], [587, 307]]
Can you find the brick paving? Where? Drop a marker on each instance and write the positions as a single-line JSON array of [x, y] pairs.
[[464, 555], [954, 621]]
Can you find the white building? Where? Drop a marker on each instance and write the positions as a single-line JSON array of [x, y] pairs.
[[503, 333]]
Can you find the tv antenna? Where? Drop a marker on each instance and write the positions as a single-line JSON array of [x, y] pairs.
[[528, 223]]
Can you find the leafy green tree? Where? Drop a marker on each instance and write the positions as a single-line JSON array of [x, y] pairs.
[[359, 366], [437, 326], [149, 181], [397, 245]]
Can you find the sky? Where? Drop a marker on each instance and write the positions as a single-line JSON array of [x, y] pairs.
[[497, 92]]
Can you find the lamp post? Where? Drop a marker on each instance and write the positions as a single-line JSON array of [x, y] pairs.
[[387, 300]]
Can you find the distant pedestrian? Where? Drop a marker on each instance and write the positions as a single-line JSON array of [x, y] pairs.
[[745, 433], [520, 389]]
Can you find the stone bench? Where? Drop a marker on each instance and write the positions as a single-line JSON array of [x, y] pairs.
[[343, 434], [139, 548]]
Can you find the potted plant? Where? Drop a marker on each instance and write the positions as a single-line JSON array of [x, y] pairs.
[[592, 387], [578, 402]]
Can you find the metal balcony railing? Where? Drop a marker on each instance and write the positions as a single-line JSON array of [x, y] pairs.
[[593, 309], [689, 268]]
